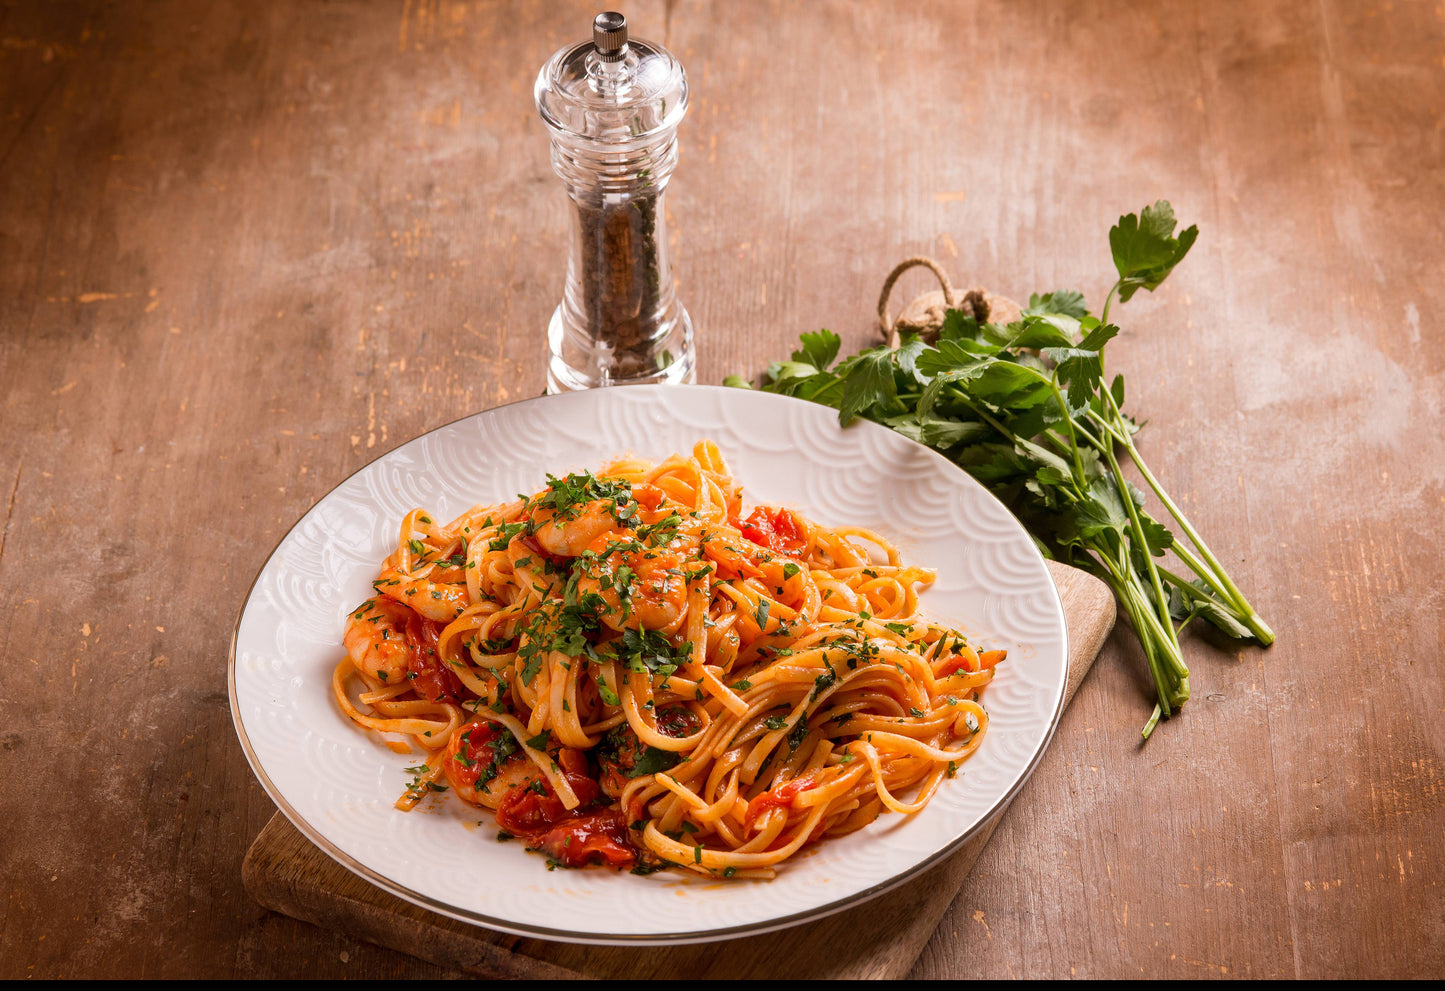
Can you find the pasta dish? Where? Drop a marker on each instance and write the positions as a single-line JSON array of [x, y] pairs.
[[628, 671]]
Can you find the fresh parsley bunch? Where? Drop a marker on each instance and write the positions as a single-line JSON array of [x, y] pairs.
[[1024, 409]]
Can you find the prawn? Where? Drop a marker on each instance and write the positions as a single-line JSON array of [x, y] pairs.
[[570, 534], [375, 640], [483, 765], [738, 557], [644, 588], [437, 601]]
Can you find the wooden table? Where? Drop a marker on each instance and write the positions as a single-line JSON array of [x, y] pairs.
[[247, 247]]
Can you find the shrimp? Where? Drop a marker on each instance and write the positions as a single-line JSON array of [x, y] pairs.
[[644, 588], [570, 534], [438, 602], [651, 502], [738, 557], [483, 765], [375, 640]]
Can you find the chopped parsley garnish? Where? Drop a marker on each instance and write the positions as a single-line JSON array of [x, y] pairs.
[[651, 652], [662, 532], [653, 761], [822, 683], [566, 497], [561, 626], [505, 533], [608, 695]]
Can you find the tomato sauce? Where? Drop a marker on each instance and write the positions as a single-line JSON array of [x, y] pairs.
[[430, 678]]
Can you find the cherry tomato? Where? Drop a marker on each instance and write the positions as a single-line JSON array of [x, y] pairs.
[[781, 797], [534, 809], [775, 529], [430, 678], [595, 838]]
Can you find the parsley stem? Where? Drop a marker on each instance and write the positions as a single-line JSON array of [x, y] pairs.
[[1080, 479], [1161, 649], [1138, 535], [1095, 442], [1198, 599], [1149, 726], [1157, 638], [1214, 569], [1209, 569], [1156, 632], [1104, 314]]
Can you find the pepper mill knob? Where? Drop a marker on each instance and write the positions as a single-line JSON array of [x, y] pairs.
[[609, 36]]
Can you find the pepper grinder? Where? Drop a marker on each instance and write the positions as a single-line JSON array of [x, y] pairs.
[[612, 106]]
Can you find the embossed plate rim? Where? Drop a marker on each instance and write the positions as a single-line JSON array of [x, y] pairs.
[[1056, 673]]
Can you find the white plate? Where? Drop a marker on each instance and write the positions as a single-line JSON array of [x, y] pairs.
[[337, 783]]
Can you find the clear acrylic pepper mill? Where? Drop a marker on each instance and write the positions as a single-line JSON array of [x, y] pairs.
[[612, 106]]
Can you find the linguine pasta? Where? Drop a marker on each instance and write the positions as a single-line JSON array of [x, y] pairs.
[[630, 672]]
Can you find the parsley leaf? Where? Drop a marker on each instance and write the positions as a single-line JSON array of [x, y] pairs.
[[1145, 250], [608, 695], [818, 349], [653, 761], [869, 382], [651, 652]]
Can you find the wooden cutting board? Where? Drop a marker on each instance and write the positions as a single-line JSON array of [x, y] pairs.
[[881, 938]]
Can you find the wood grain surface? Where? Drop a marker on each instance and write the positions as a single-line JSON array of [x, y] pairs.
[[246, 246], [881, 938]]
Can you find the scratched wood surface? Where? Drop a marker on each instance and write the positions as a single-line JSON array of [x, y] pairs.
[[247, 246]]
